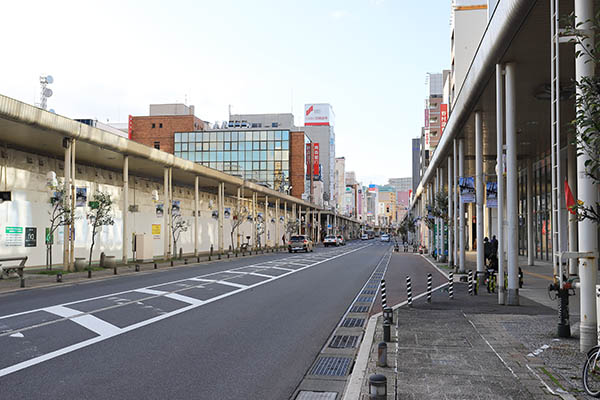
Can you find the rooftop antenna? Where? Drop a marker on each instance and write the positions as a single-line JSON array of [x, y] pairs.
[[45, 91], [230, 112]]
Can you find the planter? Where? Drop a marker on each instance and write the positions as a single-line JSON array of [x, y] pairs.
[[110, 262], [80, 264]]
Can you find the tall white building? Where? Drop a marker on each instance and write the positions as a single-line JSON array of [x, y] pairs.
[[340, 183]]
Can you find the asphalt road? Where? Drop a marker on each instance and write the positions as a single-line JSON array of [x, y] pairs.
[[195, 332]]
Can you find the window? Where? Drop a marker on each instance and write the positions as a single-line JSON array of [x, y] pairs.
[[156, 144], [153, 125], [177, 137], [160, 125]]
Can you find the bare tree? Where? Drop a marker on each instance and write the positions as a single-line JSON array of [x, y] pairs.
[[238, 216], [179, 225], [100, 215], [60, 215]]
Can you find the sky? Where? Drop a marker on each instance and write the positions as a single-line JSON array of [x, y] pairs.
[[109, 59]]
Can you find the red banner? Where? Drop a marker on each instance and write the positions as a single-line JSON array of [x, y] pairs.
[[316, 159], [443, 116], [308, 158]]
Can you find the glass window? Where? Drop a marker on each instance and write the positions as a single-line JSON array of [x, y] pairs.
[[270, 145], [277, 156], [285, 135], [227, 136], [285, 145], [241, 156], [213, 165], [248, 145], [278, 145], [226, 166], [213, 136], [206, 137], [271, 135], [249, 156], [285, 155], [263, 145], [277, 165], [256, 135], [177, 137], [219, 156], [220, 166], [277, 135], [263, 135], [213, 146], [256, 165], [226, 146], [226, 156], [256, 145], [263, 156], [199, 146], [285, 166], [194, 155], [271, 155], [219, 136], [213, 156], [234, 136], [256, 155], [184, 146], [205, 146], [270, 166], [192, 137], [248, 165], [234, 146], [234, 156], [177, 146], [219, 146], [184, 137], [177, 154]]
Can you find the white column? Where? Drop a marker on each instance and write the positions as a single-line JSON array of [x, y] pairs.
[[266, 221], [586, 192], [572, 180], [277, 231], [221, 201], [254, 220], [450, 215], [299, 219], [455, 202], [166, 208], [461, 208], [500, 179], [125, 207], [67, 205], [530, 237], [479, 190], [285, 219], [512, 175], [196, 212]]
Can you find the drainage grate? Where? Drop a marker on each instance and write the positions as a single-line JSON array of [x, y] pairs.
[[364, 299], [359, 309], [331, 366], [306, 395], [372, 286], [369, 292], [353, 323], [343, 342]]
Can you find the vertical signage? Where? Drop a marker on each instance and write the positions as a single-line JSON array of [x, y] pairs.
[[443, 116], [316, 159], [30, 237], [309, 157]]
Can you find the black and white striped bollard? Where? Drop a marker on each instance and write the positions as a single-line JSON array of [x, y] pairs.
[[470, 279], [383, 295], [408, 291], [429, 280], [451, 285]]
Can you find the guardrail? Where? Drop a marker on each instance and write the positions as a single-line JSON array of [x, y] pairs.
[[18, 269]]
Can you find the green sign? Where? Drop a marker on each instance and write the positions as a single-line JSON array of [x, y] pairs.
[[94, 205], [14, 229], [49, 237], [14, 236]]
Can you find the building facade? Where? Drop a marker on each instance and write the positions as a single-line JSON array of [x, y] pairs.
[[340, 184]]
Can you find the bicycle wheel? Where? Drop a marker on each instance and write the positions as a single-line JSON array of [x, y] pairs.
[[591, 375]]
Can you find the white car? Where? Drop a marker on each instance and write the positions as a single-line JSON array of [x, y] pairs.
[[330, 240], [385, 237], [364, 236]]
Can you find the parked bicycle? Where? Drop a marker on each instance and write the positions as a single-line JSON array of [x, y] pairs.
[[591, 372]]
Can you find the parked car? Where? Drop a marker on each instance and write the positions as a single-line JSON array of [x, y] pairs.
[[300, 242], [340, 240], [330, 240], [364, 236], [385, 237]]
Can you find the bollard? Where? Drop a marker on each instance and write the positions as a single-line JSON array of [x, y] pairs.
[[429, 281], [180, 253], [451, 285], [89, 272], [382, 354], [211, 253], [229, 251], [377, 387], [59, 277], [387, 331], [102, 260], [408, 291], [388, 315], [171, 262], [155, 266], [137, 267], [115, 270], [383, 295], [470, 280], [564, 327], [185, 261]]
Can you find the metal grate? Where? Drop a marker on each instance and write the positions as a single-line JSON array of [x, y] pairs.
[[364, 299], [331, 366], [353, 323], [306, 395], [343, 342], [369, 292], [359, 309], [372, 286]]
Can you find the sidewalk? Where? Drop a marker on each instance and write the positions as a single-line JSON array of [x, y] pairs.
[[473, 348]]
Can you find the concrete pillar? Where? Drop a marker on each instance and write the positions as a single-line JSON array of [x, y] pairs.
[[572, 181], [455, 200], [267, 219], [67, 205], [450, 214], [319, 226], [73, 203], [254, 220], [285, 218], [512, 174], [461, 208], [277, 230], [221, 216], [500, 178], [170, 212], [299, 219], [196, 212], [530, 237], [586, 191], [166, 208], [479, 190], [125, 207]]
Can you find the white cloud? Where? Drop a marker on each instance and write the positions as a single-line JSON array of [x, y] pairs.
[[339, 14]]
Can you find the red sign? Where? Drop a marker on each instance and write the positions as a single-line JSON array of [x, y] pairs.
[[443, 116], [129, 127], [310, 109], [316, 159]]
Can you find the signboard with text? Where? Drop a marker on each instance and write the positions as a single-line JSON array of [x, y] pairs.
[[318, 114], [13, 236], [443, 116], [30, 237]]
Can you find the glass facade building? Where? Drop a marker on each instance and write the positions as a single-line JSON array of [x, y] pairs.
[[260, 155]]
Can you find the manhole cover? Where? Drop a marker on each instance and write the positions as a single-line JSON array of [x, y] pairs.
[[343, 342], [365, 299], [359, 309], [305, 395], [331, 366], [353, 323]]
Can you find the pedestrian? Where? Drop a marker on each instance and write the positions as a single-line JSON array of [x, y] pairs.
[[283, 239]]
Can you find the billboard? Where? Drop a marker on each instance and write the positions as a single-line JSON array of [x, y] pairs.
[[316, 159], [318, 114], [443, 116]]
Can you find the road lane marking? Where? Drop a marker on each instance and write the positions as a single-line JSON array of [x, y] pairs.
[[109, 332], [283, 269], [185, 299], [88, 321]]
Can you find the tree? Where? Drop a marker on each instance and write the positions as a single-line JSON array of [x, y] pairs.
[[178, 225], [587, 117], [60, 215], [239, 215], [100, 215], [260, 228]]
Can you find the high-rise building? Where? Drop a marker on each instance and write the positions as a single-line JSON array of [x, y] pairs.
[[416, 163], [399, 184], [340, 183]]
